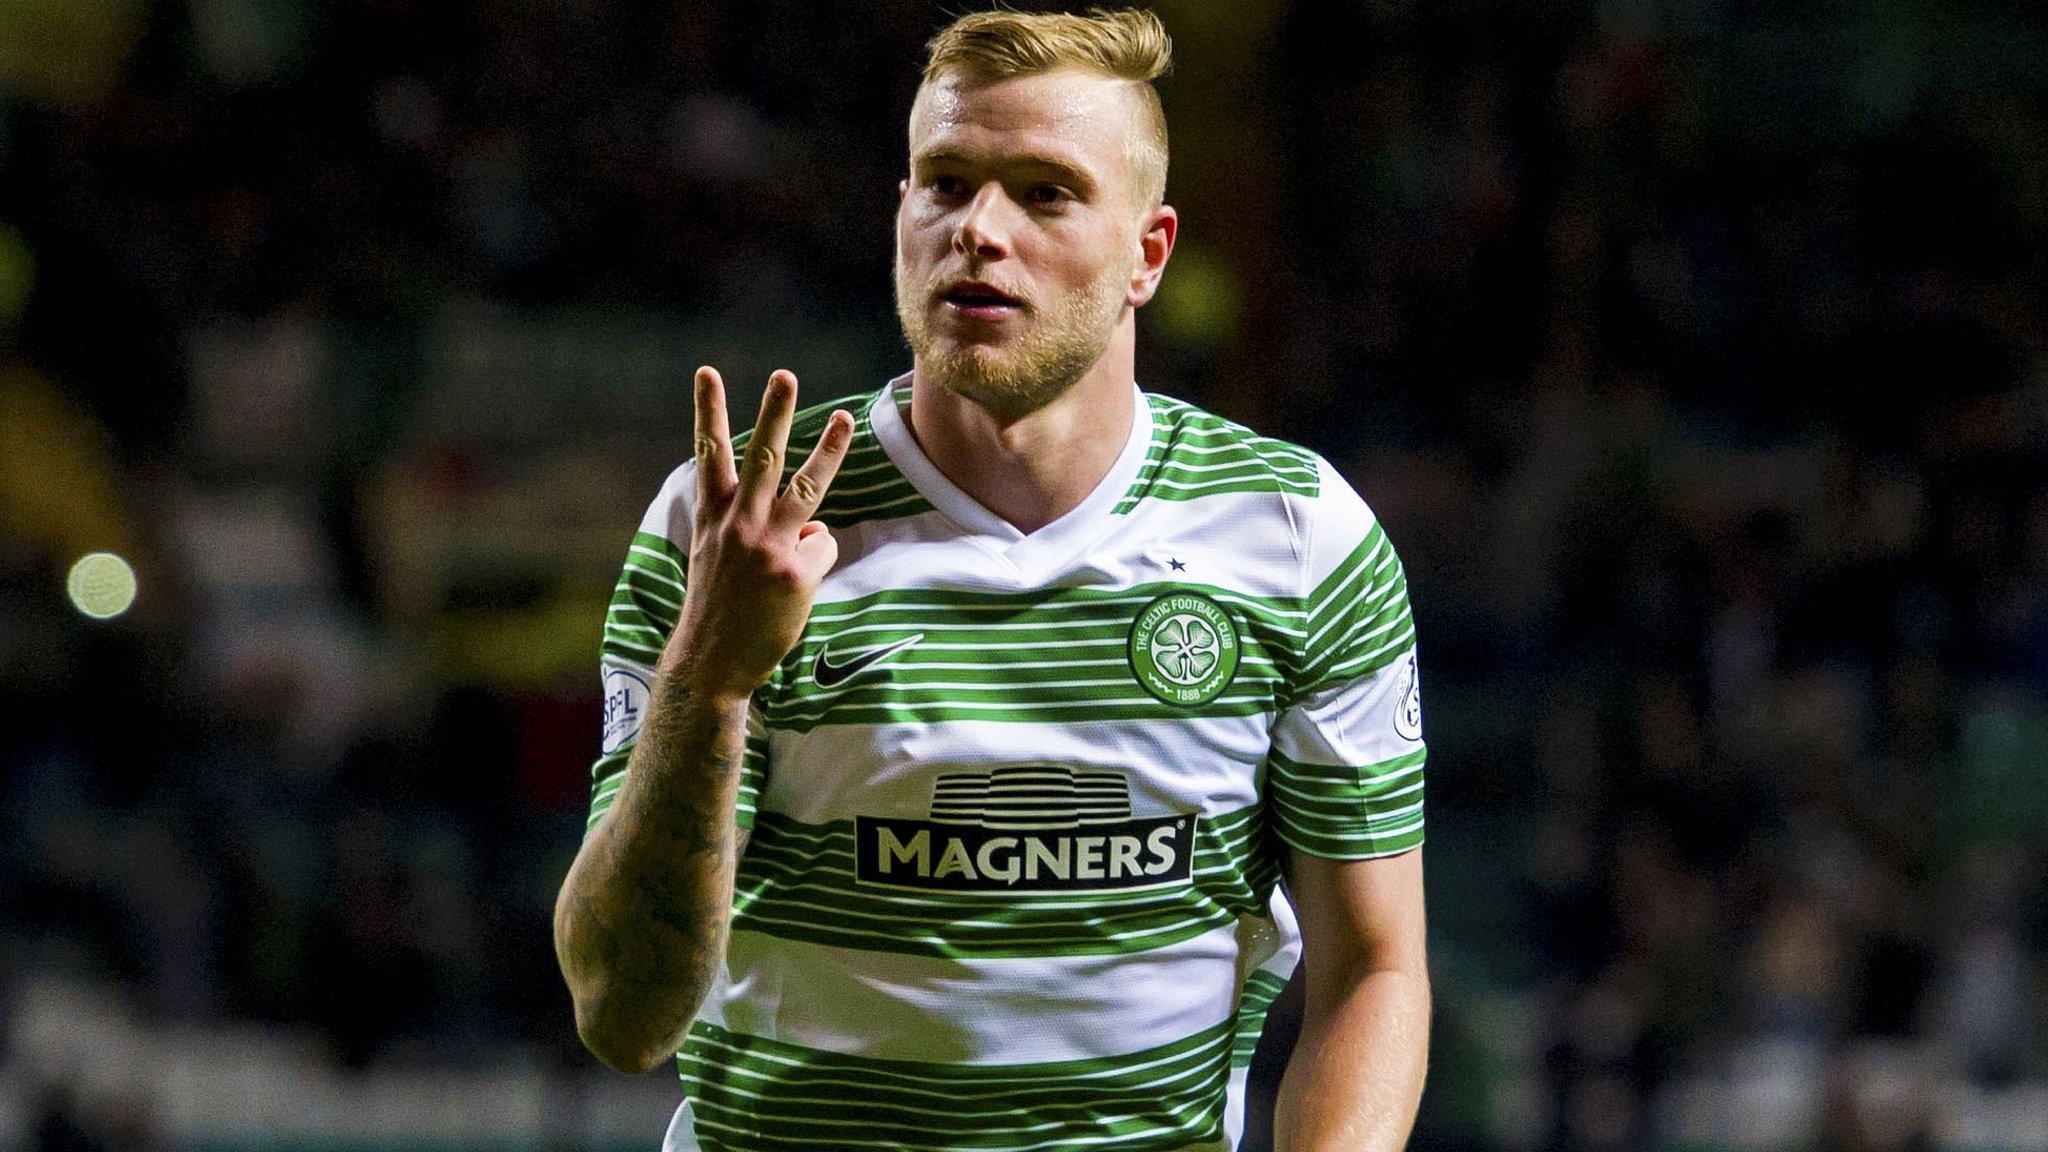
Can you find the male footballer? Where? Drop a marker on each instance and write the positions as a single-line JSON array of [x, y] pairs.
[[981, 758]]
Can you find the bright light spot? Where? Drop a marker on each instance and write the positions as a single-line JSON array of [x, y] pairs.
[[102, 585]]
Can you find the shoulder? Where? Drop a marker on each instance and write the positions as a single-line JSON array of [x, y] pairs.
[[1337, 511], [1196, 452], [669, 514]]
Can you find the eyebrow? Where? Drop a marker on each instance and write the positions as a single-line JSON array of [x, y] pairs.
[[1067, 172]]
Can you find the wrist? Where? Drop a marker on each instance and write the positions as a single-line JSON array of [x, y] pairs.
[[708, 686]]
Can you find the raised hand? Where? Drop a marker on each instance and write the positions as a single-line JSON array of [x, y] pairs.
[[756, 554]]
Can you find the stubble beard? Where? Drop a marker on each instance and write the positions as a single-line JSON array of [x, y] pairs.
[[1061, 341]]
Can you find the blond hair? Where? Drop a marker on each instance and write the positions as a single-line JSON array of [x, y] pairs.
[[1129, 44]]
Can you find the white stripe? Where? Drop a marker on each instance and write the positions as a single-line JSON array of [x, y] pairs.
[[1216, 1047], [611, 625], [661, 556], [611, 641], [1360, 661], [1338, 603], [637, 592], [665, 578], [1244, 660], [1266, 614], [1375, 834], [1023, 627], [810, 714], [994, 1010], [1288, 778]]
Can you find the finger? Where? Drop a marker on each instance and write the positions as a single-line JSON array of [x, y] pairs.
[[761, 471], [799, 501], [713, 451], [817, 550]]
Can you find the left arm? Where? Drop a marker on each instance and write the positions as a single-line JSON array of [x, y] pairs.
[[1344, 785], [1355, 1079]]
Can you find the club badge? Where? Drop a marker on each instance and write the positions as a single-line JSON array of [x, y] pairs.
[[1184, 649]]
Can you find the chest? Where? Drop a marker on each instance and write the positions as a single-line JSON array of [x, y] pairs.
[[1138, 681]]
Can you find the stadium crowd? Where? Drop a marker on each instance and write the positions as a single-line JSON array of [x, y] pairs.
[[1693, 355]]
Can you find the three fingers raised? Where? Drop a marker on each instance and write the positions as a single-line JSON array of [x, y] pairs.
[[757, 477]]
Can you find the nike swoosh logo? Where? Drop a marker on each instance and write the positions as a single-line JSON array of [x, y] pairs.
[[829, 675]]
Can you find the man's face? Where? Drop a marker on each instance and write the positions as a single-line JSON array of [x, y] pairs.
[[1018, 239]]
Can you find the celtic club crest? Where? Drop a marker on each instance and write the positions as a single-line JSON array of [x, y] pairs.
[[1184, 648]]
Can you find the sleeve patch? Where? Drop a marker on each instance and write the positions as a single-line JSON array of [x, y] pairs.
[[1408, 713], [626, 694]]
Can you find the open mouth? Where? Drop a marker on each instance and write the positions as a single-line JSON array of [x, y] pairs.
[[980, 301]]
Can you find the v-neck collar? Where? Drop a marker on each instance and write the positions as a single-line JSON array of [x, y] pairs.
[[1031, 553]]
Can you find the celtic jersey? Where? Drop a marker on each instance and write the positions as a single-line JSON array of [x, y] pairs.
[[1016, 801]]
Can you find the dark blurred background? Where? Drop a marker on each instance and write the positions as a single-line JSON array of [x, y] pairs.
[[1693, 351]]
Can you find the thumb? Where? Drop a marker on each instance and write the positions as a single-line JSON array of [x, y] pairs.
[[817, 550]]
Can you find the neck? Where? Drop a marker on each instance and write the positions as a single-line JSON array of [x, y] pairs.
[[1035, 468]]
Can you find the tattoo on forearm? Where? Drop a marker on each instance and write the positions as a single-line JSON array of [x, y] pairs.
[[670, 858]]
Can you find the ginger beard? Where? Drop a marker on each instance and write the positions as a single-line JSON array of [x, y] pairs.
[[1061, 340]]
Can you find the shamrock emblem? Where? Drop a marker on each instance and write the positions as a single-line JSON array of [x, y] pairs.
[[1185, 649]]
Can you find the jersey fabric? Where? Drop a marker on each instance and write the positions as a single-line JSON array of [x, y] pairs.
[[1017, 801]]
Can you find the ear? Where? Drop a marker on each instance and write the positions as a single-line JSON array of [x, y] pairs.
[[1155, 245], [902, 189]]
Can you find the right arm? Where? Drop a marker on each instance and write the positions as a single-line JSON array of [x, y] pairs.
[[641, 922]]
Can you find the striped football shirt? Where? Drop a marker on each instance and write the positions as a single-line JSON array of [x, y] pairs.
[[1016, 802]]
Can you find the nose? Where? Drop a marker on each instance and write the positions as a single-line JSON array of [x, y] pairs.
[[982, 233]]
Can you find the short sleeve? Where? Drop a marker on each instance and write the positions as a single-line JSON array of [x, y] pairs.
[[644, 606], [1344, 775]]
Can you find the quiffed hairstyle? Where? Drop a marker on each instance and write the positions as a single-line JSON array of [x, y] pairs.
[[1130, 44]]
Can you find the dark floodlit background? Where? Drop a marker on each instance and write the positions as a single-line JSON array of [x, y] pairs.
[[1693, 352]]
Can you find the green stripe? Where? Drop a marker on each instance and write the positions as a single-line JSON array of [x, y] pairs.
[[1069, 713], [1358, 619], [797, 882], [606, 777], [643, 612], [1053, 656], [1347, 812], [1261, 988], [1326, 598], [751, 1092], [868, 486], [1194, 454], [646, 601]]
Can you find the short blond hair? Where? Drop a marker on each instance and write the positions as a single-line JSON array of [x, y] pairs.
[[1130, 44]]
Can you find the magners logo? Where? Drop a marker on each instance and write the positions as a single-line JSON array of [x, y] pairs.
[[1027, 828]]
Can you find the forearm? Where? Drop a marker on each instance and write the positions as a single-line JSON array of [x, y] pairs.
[[1355, 1079], [641, 923]]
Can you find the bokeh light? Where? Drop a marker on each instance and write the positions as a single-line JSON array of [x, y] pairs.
[[101, 585]]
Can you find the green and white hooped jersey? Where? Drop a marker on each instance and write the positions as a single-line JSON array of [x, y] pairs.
[[1017, 801]]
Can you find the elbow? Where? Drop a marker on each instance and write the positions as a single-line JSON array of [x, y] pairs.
[[620, 1055], [619, 1045], [628, 1030], [632, 1005]]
